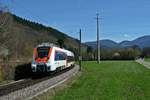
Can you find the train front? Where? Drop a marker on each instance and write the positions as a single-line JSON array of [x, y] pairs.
[[41, 59]]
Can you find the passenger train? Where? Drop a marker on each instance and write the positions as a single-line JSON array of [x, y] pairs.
[[48, 57]]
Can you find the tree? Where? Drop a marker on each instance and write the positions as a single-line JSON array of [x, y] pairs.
[[60, 42], [90, 53], [146, 52], [6, 22]]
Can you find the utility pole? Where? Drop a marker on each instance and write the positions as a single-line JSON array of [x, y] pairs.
[[98, 42], [80, 56]]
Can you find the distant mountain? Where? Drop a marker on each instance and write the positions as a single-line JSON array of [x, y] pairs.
[[109, 44], [142, 42], [104, 44], [125, 43]]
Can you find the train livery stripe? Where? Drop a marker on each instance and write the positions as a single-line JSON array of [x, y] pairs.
[[50, 51], [35, 52]]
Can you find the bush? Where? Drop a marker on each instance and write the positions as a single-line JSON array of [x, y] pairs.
[[129, 53], [7, 72], [1, 76]]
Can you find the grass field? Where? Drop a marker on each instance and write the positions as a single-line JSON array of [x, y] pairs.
[[147, 59], [110, 80]]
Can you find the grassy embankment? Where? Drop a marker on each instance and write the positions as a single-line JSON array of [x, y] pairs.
[[110, 80]]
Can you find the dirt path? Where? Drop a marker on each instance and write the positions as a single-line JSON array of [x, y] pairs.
[[145, 63]]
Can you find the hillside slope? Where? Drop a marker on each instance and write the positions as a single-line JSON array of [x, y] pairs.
[[22, 35]]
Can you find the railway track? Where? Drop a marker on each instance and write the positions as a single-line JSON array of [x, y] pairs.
[[14, 86], [30, 87]]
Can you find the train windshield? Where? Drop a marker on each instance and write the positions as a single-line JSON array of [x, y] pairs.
[[42, 52]]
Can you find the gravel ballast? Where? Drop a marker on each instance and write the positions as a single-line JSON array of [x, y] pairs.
[[34, 90]]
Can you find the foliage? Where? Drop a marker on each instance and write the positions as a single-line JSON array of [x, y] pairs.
[[8, 72], [128, 53], [61, 43], [146, 52], [1, 76], [37, 26]]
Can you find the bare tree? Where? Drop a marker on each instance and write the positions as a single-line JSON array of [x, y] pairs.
[[6, 22]]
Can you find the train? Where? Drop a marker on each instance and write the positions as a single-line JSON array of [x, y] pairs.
[[48, 57]]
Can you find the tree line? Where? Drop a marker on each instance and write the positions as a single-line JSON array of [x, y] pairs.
[[127, 53]]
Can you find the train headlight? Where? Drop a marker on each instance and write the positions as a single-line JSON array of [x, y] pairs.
[[33, 66], [33, 69]]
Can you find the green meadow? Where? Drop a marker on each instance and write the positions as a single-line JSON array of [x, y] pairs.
[[147, 59], [109, 80]]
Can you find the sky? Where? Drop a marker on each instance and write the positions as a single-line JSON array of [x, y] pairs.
[[119, 19]]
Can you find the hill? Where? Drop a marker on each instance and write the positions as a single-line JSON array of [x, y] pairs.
[[19, 36], [104, 44], [142, 42]]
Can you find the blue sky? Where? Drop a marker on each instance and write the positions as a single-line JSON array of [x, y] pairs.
[[120, 19]]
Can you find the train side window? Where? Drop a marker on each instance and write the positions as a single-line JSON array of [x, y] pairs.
[[70, 58], [63, 56], [60, 56], [57, 56]]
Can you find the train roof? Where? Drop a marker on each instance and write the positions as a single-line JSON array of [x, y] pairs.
[[69, 53], [47, 45]]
